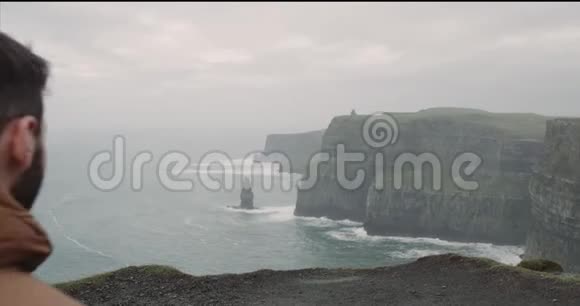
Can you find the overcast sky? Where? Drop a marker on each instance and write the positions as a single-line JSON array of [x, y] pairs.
[[292, 67]]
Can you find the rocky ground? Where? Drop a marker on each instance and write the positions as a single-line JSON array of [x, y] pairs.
[[435, 280]]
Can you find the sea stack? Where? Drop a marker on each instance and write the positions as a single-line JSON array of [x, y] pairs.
[[555, 193], [247, 195]]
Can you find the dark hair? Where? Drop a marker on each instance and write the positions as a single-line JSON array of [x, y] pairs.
[[23, 78]]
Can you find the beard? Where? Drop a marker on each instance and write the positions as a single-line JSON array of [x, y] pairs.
[[28, 185]]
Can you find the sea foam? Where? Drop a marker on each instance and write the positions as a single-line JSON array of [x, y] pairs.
[[420, 247]]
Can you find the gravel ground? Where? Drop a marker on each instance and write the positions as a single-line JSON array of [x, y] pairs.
[[434, 280]]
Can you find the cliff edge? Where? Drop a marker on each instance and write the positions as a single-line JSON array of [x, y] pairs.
[[510, 146], [555, 192], [298, 148], [436, 280]]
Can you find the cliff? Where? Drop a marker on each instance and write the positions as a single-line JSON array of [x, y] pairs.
[[299, 148], [555, 191], [328, 198], [436, 280], [510, 145]]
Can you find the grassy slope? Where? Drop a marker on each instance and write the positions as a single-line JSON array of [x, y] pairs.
[[159, 270], [102, 278], [442, 280], [494, 265], [516, 125]]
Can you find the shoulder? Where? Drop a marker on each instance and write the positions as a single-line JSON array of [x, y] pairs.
[[17, 288]]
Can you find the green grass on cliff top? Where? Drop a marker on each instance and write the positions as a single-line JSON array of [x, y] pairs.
[[494, 265], [516, 125], [159, 270], [98, 279]]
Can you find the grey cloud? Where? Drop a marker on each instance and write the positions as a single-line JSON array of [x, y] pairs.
[[262, 66]]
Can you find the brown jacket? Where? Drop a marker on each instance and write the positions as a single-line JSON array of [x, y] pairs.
[[23, 247]]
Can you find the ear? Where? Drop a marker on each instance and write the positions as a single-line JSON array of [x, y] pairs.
[[22, 141]]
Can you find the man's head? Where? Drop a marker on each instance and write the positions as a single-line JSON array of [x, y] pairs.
[[23, 77]]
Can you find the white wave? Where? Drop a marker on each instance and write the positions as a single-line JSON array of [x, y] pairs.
[[425, 240], [86, 248], [286, 213], [259, 210], [55, 220], [347, 222], [76, 242], [421, 247], [509, 255], [326, 222], [354, 234], [241, 167], [271, 213], [317, 222], [416, 253], [504, 254], [283, 215]]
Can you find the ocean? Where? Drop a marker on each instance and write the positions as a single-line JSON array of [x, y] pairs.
[[197, 231]]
